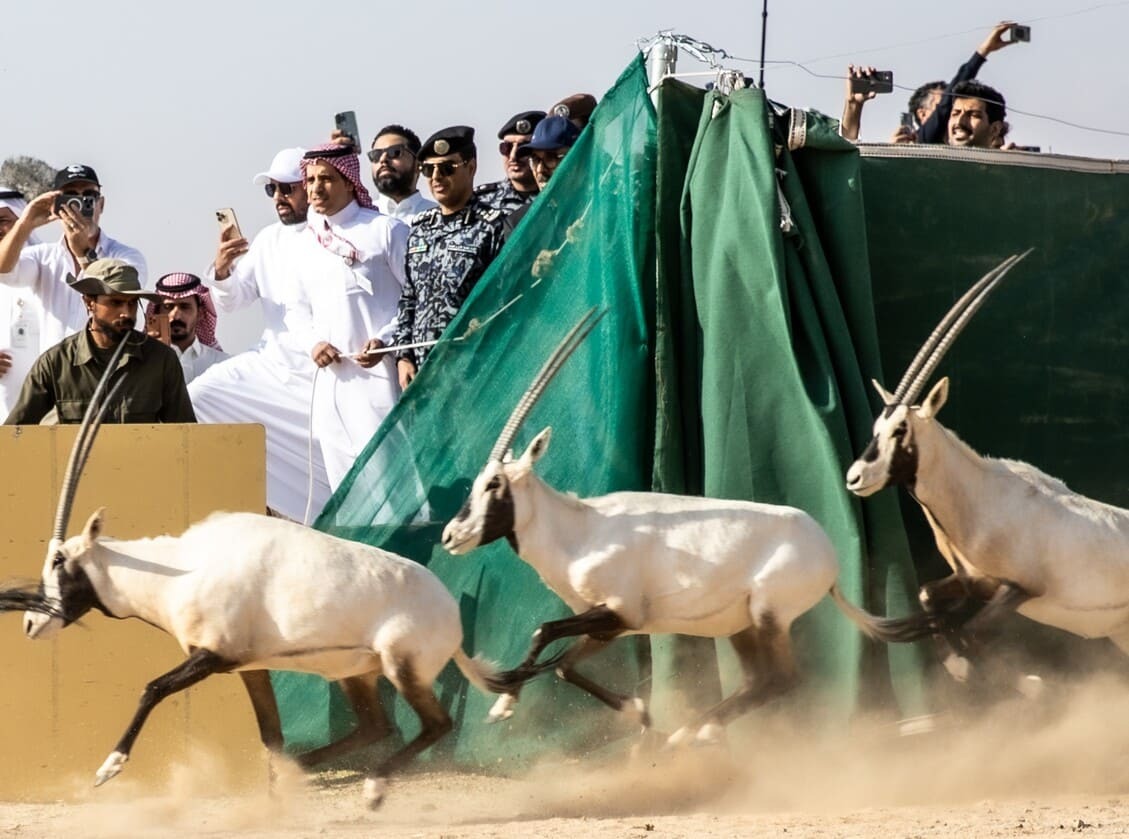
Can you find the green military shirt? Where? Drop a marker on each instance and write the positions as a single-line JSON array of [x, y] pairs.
[[65, 376]]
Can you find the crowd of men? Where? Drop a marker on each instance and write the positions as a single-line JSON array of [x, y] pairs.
[[962, 112], [354, 291]]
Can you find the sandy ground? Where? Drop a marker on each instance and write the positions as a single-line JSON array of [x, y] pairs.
[[1052, 767]]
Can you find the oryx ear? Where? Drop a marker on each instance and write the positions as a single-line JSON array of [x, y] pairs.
[[887, 397], [936, 398], [535, 449], [93, 528]]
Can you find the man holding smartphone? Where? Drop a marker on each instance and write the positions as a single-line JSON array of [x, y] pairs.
[[271, 383], [77, 202]]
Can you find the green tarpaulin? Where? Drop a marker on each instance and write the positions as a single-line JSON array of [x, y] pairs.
[[741, 251]]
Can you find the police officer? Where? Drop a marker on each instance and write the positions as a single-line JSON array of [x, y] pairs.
[[552, 138], [449, 248], [518, 187]]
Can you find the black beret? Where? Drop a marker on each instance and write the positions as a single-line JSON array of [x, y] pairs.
[[522, 123], [456, 139]]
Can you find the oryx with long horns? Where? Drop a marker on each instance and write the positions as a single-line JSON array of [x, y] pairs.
[[634, 563], [245, 593], [1015, 538]]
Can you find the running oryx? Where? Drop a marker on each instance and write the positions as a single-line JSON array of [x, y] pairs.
[[1016, 538], [245, 593], [634, 563]]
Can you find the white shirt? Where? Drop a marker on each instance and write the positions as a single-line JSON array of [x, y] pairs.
[[353, 287], [352, 301], [197, 358], [405, 210], [265, 273], [44, 269]]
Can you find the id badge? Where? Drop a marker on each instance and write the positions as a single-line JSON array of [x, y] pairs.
[[24, 334]]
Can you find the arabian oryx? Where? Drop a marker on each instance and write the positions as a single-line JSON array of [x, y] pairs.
[[634, 563], [1015, 538], [245, 593]]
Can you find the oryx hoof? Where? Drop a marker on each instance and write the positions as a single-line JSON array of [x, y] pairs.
[[710, 734], [114, 764], [958, 667], [682, 737], [374, 790], [503, 708], [635, 710]]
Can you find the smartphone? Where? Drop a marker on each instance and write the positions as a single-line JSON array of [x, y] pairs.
[[347, 125], [81, 204], [881, 81], [157, 326], [226, 218], [1020, 33], [907, 121]]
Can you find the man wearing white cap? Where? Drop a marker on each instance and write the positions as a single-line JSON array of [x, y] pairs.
[[272, 383]]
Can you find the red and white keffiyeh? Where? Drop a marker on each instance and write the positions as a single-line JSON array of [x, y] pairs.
[[345, 162], [178, 285]]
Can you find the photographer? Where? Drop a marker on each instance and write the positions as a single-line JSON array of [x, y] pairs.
[[77, 202], [931, 110]]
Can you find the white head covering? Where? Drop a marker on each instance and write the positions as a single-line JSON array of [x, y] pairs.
[[17, 205]]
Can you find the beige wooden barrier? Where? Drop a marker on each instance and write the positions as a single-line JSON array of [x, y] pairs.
[[64, 703]]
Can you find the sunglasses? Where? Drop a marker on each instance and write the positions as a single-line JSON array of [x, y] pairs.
[[282, 189], [86, 193], [549, 161], [506, 147], [445, 168], [392, 152]]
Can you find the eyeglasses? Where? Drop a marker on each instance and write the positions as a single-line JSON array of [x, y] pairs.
[[549, 161], [445, 168], [506, 147], [283, 189], [392, 152]]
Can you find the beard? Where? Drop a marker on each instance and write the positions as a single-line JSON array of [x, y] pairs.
[[116, 330], [393, 183]]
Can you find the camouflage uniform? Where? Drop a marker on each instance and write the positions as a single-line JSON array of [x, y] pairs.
[[501, 195], [446, 256]]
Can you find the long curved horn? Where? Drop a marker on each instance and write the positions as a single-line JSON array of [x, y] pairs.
[[80, 451], [545, 375], [943, 335]]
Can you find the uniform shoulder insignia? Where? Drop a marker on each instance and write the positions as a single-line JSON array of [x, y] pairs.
[[490, 213]]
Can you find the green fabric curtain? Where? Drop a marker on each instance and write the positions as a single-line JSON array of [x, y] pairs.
[[737, 371]]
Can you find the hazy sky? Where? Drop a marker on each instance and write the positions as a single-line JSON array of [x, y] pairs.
[[178, 105]]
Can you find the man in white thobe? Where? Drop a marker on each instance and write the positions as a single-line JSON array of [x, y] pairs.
[[21, 316], [272, 383], [351, 263]]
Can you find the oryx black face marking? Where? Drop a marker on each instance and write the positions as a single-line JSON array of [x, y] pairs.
[[903, 461], [498, 520], [78, 595]]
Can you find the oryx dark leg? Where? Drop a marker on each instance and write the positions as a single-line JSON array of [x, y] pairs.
[[1006, 599], [434, 723], [372, 724], [587, 647], [265, 706], [768, 670], [197, 667], [599, 621]]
